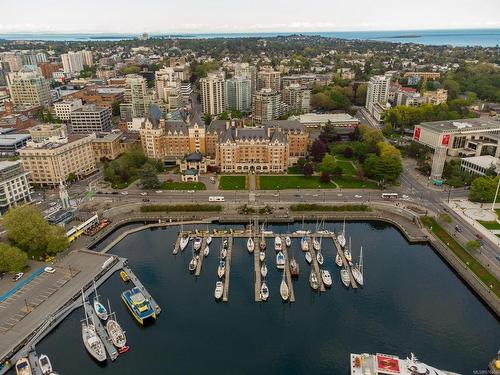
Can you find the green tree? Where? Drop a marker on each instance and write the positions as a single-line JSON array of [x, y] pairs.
[[224, 116], [329, 133], [371, 137], [308, 169], [383, 168], [453, 88], [207, 118], [149, 179], [327, 164], [325, 177], [473, 245], [71, 177], [130, 69], [12, 259], [360, 98], [483, 189], [57, 240]]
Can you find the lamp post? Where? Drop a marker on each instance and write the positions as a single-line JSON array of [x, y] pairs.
[[496, 194]]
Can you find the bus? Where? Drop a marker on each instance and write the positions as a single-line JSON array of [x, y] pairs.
[[215, 198], [389, 196]]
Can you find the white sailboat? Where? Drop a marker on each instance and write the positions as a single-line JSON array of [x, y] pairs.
[[263, 270], [91, 340], [45, 365], [193, 263], [280, 260], [223, 253], [116, 333], [357, 270], [304, 243], [278, 244], [316, 244], [250, 245], [326, 277], [347, 252], [288, 241], [184, 241], [219, 289], [313, 280], [344, 277], [264, 291], [99, 308], [338, 259], [221, 269], [284, 291], [262, 256], [206, 251], [197, 243], [319, 256], [209, 239], [341, 237], [308, 257]]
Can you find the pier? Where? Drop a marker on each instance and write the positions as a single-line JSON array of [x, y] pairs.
[[228, 268], [35, 364], [344, 261], [315, 266], [137, 283], [288, 274], [201, 256], [258, 280], [101, 331]]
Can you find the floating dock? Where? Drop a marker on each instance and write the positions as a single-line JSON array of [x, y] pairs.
[[228, 268], [315, 266], [137, 283], [177, 245], [35, 364], [101, 332], [258, 280], [201, 256], [288, 275], [344, 261]]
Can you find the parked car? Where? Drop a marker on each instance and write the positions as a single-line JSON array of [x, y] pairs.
[[17, 276], [145, 199], [358, 196], [159, 191], [124, 193], [144, 193], [190, 191], [49, 269]]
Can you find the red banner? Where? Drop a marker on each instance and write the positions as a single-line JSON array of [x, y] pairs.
[[416, 134], [446, 140]]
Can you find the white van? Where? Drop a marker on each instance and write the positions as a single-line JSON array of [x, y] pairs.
[[215, 198]]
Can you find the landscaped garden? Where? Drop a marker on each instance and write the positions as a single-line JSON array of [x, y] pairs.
[[232, 182]]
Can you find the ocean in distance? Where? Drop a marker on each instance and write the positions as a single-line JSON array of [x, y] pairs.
[[455, 37]]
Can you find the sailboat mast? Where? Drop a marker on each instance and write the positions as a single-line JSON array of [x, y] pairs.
[[361, 260]]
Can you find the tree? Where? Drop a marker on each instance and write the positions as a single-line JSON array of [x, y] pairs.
[[57, 240], [149, 179], [71, 177], [223, 116], [116, 109], [329, 133], [383, 168], [325, 177], [371, 137], [338, 171], [348, 152], [360, 98], [308, 169], [386, 149], [130, 69], [328, 164], [318, 150], [12, 259], [453, 88], [483, 189], [207, 118], [473, 245]]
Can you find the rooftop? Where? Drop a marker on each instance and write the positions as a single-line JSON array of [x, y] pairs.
[[10, 139], [462, 125], [324, 117], [484, 161]]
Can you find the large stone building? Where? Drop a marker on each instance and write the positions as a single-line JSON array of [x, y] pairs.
[[108, 146], [44, 131], [14, 184], [52, 160], [27, 87], [213, 93]]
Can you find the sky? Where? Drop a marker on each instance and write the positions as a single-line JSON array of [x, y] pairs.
[[210, 16]]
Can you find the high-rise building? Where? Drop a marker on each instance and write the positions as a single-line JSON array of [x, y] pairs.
[[14, 184], [27, 87], [248, 71], [239, 94], [87, 58], [378, 91], [72, 62], [268, 78], [297, 98], [213, 93], [136, 98], [90, 119], [266, 105], [41, 57], [168, 88], [64, 108], [12, 60]]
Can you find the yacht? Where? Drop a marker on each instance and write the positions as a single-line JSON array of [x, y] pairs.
[[193, 263], [308, 257], [381, 364], [45, 365], [316, 244], [219, 288], [341, 237], [357, 270], [278, 245], [347, 253], [284, 291], [116, 334], [264, 291], [250, 245], [304, 243], [184, 241], [338, 259], [138, 305], [197, 243], [313, 280], [326, 277], [23, 367], [280, 260], [223, 253], [294, 268], [288, 241], [206, 251], [262, 243], [320, 258], [262, 256], [344, 276], [99, 308], [263, 270], [221, 269], [209, 240], [93, 342]]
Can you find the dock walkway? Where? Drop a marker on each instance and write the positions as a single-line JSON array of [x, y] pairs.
[[144, 291], [228, 268], [101, 332], [344, 261], [288, 275], [201, 256], [258, 279], [177, 245], [35, 364], [315, 266]]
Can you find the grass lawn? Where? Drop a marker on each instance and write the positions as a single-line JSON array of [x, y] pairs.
[[481, 272], [232, 183], [347, 167], [294, 170], [341, 157], [350, 182], [183, 186], [490, 224], [123, 185], [292, 182]]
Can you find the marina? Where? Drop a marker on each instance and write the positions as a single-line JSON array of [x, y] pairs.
[[288, 274], [111, 351]]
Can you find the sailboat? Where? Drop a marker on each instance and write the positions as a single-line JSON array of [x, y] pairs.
[[288, 241], [344, 276], [206, 251], [263, 270], [184, 241], [278, 245], [45, 365], [284, 291], [223, 252], [197, 243], [357, 270], [116, 333], [264, 291], [262, 256], [91, 340], [341, 237], [262, 243], [219, 289], [304, 244], [338, 259], [250, 245], [347, 252], [99, 308], [308, 257], [326, 277], [193, 263], [221, 269], [313, 280], [316, 244], [280, 260], [294, 268], [319, 256], [209, 238]]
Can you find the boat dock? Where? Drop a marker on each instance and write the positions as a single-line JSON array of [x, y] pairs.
[[344, 261], [35, 364], [137, 283], [288, 274], [177, 245], [201, 256], [315, 266], [101, 332], [258, 280], [228, 268]]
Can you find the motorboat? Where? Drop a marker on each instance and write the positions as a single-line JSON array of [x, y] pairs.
[[45, 365], [250, 245], [221, 269], [262, 256], [99, 308], [278, 244], [23, 367], [219, 289], [209, 240], [326, 277], [280, 260], [193, 263], [344, 277], [338, 260], [288, 241], [320, 258], [304, 243], [262, 243], [308, 257], [116, 334], [124, 276], [357, 270], [264, 291], [294, 268], [313, 280], [316, 244], [197, 243], [139, 306], [184, 241], [263, 270], [284, 291], [223, 253], [206, 251], [341, 237]]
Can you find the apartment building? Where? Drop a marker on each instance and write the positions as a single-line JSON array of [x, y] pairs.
[[14, 184], [90, 119], [248, 71], [213, 93], [137, 99], [27, 87], [378, 91], [267, 105], [64, 108], [239, 94], [53, 160], [297, 97], [12, 61], [439, 96], [72, 62], [268, 78]]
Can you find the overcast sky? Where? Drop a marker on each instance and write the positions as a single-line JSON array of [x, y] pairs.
[[197, 16]]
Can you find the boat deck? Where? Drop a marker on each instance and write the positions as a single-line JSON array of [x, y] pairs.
[[137, 283], [177, 245], [288, 274], [101, 332], [315, 266], [258, 279], [344, 261], [197, 272], [225, 294]]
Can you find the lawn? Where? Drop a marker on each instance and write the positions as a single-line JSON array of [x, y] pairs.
[[347, 167], [490, 224], [232, 183], [183, 186], [481, 272], [292, 182], [295, 170], [350, 182], [341, 157]]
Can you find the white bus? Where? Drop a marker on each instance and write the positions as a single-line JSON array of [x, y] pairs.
[[388, 196], [216, 198]]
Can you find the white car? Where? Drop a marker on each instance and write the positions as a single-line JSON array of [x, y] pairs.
[[49, 269], [144, 193], [17, 276], [159, 191], [405, 196], [358, 196], [190, 191], [124, 193]]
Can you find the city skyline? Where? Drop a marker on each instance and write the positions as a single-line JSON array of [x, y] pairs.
[[225, 16]]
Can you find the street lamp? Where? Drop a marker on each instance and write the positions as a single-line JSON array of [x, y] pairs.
[[496, 194]]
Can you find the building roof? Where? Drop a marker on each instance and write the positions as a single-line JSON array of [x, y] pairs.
[[154, 115], [484, 161], [11, 139], [290, 124], [190, 172], [324, 118], [462, 125], [5, 164], [195, 156]]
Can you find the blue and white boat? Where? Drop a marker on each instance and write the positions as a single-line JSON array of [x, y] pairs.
[[304, 243], [139, 306], [280, 260]]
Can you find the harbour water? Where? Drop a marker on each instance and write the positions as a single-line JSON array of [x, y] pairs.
[[454, 37], [411, 302]]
